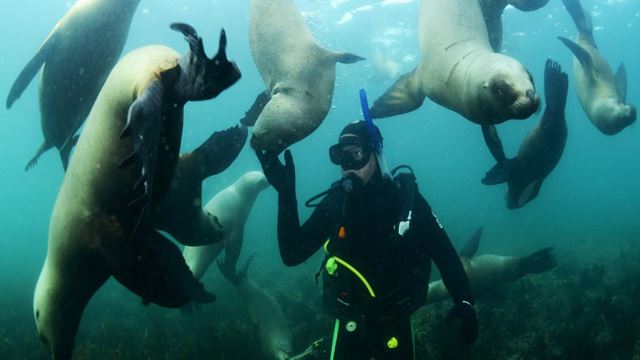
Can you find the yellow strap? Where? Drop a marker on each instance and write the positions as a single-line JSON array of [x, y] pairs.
[[356, 273]]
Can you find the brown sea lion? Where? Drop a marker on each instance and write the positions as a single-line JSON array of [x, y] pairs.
[[540, 151], [96, 229], [487, 272], [75, 59], [601, 93], [298, 73]]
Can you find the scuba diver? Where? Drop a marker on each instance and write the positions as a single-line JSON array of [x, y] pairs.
[[379, 236]]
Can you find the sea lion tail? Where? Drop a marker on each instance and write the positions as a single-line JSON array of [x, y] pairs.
[[580, 17], [471, 246], [538, 262], [65, 150], [251, 116], [402, 97]]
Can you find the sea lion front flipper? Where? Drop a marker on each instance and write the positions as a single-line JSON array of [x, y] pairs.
[[232, 250], [499, 173], [144, 122], [581, 54], [153, 268], [31, 69], [251, 116], [219, 151], [621, 82], [556, 85], [471, 246], [402, 97], [346, 58]]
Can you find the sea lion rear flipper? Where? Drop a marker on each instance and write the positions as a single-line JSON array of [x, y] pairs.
[[540, 261], [621, 82], [31, 69], [219, 150], [34, 160], [65, 150], [251, 116], [556, 85], [499, 173], [579, 16], [471, 246], [144, 122], [581, 54], [402, 97], [152, 268], [347, 58]]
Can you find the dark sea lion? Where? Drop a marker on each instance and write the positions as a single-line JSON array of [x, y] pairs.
[[75, 59], [299, 74], [540, 151], [492, 12], [601, 93], [487, 272], [460, 71], [96, 229], [180, 212]]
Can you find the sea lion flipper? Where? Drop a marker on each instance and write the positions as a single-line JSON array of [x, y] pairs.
[[581, 54], [540, 261], [347, 58], [471, 246], [152, 268], [556, 85], [499, 173], [251, 116], [144, 121], [404, 96], [31, 69], [621, 82], [34, 160], [65, 150], [580, 17], [220, 150]]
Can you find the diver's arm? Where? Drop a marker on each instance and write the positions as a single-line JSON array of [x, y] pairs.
[[443, 253]]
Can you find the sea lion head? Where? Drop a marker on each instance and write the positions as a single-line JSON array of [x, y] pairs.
[[510, 91], [201, 78], [612, 115]]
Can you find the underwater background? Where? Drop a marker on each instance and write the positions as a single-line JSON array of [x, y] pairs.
[[588, 208]]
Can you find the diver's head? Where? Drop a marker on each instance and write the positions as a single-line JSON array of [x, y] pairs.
[[355, 151]]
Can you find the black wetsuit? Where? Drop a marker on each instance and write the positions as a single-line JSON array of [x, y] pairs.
[[362, 230]]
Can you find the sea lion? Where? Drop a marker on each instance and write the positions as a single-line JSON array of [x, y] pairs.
[[96, 230], [540, 151], [180, 212], [274, 333], [75, 59], [601, 94], [298, 73], [460, 70], [491, 271], [231, 207], [492, 12]]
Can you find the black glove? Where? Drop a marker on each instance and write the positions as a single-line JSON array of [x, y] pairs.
[[281, 176], [464, 311]]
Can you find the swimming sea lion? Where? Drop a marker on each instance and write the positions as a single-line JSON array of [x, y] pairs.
[[542, 148], [460, 70], [490, 271], [180, 212], [602, 95], [75, 59], [298, 73], [96, 230], [231, 207], [492, 12], [274, 333]]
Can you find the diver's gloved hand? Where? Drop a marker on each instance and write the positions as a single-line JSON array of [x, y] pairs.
[[464, 311], [281, 176]]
